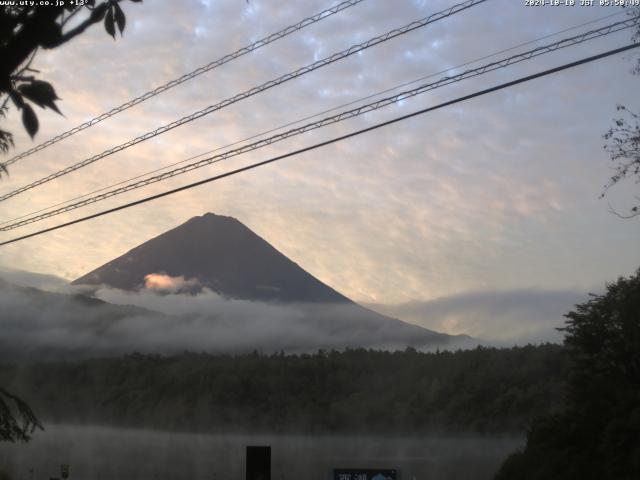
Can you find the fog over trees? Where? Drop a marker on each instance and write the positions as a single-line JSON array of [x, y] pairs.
[[481, 390]]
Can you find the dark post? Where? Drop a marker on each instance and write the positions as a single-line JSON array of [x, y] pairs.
[[258, 463]]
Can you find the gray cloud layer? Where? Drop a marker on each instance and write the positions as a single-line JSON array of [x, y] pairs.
[[503, 317], [35, 324]]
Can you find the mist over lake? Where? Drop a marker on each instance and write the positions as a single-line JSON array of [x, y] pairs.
[[101, 453]]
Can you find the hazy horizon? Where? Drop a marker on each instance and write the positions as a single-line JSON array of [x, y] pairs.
[[507, 318]]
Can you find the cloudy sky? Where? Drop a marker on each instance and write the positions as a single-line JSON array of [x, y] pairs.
[[494, 200]]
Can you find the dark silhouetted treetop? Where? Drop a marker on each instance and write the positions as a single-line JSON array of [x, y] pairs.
[[26, 27], [623, 146], [623, 143], [597, 436], [17, 420]]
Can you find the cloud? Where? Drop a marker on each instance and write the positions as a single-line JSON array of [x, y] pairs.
[[503, 317], [163, 283], [42, 281], [111, 321], [37, 324]]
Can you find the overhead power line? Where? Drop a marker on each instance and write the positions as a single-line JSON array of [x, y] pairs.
[[499, 64], [253, 91], [188, 76], [327, 142], [315, 115], [309, 117]]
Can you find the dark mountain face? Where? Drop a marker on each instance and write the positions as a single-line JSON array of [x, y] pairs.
[[228, 258], [223, 255]]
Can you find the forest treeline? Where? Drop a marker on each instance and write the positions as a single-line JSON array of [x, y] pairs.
[[482, 390]]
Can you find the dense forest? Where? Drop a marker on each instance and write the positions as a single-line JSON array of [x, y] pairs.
[[481, 390]]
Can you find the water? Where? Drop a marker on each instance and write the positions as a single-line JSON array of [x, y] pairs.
[[97, 453]]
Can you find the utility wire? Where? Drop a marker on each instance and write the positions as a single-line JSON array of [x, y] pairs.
[[188, 76], [328, 142], [253, 91], [309, 117], [499, 64]]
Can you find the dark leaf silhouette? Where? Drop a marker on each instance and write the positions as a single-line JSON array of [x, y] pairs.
[[29, 120], [41, 93], [97, 14], [16, 98], [6, 141], [120, 18], [50, 35], [109, 24]]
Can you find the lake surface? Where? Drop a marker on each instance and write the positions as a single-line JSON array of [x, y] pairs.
[[98, 453]]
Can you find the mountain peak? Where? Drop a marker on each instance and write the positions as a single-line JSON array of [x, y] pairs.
[[220, 253], [212, 217]]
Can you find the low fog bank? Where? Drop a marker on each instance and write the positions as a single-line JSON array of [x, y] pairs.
[[105, 453], [66, 321], [41, 281], [501, 318], [164, 318]]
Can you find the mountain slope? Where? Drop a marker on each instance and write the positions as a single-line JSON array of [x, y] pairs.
[[223, 255]]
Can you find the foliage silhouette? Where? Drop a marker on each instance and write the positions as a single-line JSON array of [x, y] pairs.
[[17, 420], [26, 27], [623, 143], [597, 435]]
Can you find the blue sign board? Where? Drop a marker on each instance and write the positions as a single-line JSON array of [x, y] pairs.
[[363, 474]]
